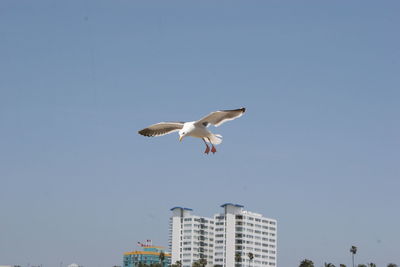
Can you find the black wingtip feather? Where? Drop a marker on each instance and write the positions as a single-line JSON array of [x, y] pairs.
[[145, 132], [239, 109]]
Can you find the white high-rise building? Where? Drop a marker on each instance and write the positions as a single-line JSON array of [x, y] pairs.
[[235, 237], [191, 237]]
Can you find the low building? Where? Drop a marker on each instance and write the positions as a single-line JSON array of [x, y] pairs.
[[149, 255]]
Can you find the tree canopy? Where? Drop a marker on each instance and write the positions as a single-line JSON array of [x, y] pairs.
[[306, 263]]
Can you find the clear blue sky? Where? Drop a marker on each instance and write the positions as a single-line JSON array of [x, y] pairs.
[[318, 148]]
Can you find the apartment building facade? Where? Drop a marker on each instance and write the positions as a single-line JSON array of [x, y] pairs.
[[234, 237], [191, 237]]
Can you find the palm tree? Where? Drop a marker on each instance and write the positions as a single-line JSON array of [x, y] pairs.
[[329, 265], [353, 251], [162, 258], [361, 265], [203, 262], [392, 265], [196, 264], [251, 257], [371, 264], [342, 265], [177, 264], [306, 263], [238, 258]]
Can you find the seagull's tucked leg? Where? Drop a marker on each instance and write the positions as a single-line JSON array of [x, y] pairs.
[[207, 147]]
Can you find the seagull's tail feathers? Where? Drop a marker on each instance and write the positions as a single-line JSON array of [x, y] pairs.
[[215, 139]]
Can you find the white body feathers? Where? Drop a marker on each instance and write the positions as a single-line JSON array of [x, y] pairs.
[[200, 131]]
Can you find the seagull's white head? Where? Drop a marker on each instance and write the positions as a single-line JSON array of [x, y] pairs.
[[187, 127], [182, 134]]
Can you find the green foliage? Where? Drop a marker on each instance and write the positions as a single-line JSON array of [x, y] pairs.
[[329, 265], [342, 265], [306, 263], [353, 251], [162, 257], [361, 265], [203, 262], [371, 264], [251, 256], [392, 265], [177, 264], [200, 263]]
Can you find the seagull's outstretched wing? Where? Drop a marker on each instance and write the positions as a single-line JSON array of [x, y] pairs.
[[161, 128], [219, 117]]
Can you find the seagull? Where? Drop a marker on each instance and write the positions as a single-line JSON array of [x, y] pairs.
[[196, 129]]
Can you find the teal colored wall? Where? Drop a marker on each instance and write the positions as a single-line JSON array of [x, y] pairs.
[[134, 260]]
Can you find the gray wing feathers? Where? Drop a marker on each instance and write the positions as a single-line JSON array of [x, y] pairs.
[[161, 128], [219, 117]]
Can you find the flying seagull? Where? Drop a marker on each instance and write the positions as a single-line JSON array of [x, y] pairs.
[[196, 128]]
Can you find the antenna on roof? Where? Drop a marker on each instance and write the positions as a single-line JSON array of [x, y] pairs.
[[146, 244]]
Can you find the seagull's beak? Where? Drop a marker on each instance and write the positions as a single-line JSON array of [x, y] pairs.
[[180, 138]]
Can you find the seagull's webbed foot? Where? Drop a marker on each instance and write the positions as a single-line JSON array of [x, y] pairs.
[[207, 149], [213, 150]]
